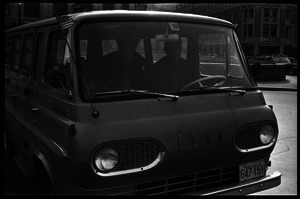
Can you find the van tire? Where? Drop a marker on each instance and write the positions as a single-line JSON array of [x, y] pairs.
[[43, 183], [8, 148]]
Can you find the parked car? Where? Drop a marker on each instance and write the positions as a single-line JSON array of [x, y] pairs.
[[292, 59], [278, 59], [88, 112]]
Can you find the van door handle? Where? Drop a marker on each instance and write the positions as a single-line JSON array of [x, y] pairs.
[[34, 109]]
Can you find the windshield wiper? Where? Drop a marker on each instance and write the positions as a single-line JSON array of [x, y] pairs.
[[146, 92], [230, 90], [238, 91], [173, 97]]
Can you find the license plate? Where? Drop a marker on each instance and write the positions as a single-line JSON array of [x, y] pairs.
[[252, 170]]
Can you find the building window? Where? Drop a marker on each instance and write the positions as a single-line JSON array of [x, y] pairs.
[[287, 31], [126, 6], [60, 9], [274, 13], [273, 30], [266, 12], [108, 6], [271, 12], [288, 13], [248, 30], [235, 16], [266, 28], [82, 7], [228, 16], [248, 13], [270, 30], [32, 10]]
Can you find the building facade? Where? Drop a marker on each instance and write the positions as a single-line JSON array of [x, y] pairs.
[[263, 29], [20, 13]]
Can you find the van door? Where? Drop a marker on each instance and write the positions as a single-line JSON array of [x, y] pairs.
[[51, 108], [9, 83], [22, 110], [38, 57], [11, 75]]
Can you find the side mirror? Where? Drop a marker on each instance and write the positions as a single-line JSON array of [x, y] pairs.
[[56, 79]]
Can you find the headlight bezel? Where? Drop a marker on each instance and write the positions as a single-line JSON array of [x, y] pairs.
[[153, 150], [253, 131]]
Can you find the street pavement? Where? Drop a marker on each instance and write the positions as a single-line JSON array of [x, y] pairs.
[[290, 83], [284, 155]]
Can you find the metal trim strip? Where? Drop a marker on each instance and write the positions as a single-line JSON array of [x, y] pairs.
[[56, 148], [154, 163]]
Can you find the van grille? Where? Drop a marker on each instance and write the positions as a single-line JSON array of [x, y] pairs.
[[189, 183], [248, 137], [136, 153]]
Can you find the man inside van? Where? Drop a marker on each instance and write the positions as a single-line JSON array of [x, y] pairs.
[[172, 71], [125, 69]]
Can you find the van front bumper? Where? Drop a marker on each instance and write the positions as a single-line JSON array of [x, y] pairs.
[[248, 187]]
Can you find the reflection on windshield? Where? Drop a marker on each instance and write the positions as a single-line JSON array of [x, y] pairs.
[[160, 57]]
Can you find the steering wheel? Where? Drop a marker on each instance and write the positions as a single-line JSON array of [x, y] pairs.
[[221, 77]]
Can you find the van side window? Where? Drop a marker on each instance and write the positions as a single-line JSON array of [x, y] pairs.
[[58, 61], [38, 54], [27, 54], [16, 54], [8, 45]]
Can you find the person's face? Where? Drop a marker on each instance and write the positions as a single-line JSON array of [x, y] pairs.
[[173, 51], [126, 50]]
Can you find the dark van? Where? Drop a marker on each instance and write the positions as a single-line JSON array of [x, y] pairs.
[[136, 103]]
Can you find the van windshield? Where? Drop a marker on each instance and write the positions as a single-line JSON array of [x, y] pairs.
[[164, 57]]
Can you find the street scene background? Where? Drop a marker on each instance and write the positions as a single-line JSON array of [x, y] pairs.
[[268, 35]]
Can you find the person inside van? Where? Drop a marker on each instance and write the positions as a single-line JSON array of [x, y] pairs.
[[125, 68], [172, 71]]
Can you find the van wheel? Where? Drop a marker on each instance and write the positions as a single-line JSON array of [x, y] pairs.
[[43, 183], [8, 148]]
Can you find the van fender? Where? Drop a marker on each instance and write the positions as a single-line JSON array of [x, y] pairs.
[[39, 159]]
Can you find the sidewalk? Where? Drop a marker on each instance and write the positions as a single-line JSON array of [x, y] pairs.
[[290, 83]]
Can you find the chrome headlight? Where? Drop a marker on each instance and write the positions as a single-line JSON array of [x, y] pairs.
[[106, 159], [266, 134]]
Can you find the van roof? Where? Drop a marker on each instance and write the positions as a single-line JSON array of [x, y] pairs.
[[131, 15]]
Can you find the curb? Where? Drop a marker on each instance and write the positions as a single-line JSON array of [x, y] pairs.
[[277, 89]]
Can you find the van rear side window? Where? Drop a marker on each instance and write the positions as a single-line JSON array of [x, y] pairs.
[[8, 42], [27, 54], [16, 54], [38, 54]]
